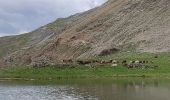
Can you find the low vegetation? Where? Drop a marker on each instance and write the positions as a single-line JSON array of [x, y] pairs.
[[162, 61]]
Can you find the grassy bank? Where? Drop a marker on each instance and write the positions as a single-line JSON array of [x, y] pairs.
[[163, 70]]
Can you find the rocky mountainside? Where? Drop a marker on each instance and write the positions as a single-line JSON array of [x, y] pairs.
[[117, 25]]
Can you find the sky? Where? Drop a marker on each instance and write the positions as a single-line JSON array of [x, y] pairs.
[[21, 16]]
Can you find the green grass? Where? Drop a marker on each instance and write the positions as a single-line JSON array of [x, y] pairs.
[[163, 70]]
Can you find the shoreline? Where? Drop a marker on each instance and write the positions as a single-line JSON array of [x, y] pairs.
[[86, 77]]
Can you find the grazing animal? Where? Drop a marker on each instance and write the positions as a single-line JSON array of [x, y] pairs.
[[99, 62], [156, 56], [102, 62], [124, 62], [114, 65], [146, 62], [141, 62], [81, 62], [68, 61], [106, 62], [114, 61], [130, 65], [109, 62], [137, 62], [133, 62], [94, 61]]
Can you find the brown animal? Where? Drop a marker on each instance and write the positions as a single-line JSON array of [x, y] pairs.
[[81, 62], [156, 56], [124, 63], [106, 62], [141, 62], [94, 61], [68, 61], [146, 62]]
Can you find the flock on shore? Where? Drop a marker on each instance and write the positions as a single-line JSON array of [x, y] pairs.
[[142, 64], [130, 64]]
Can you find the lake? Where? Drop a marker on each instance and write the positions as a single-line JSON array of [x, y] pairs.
[[87, 89]]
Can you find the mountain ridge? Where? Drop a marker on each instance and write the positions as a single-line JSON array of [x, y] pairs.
[[117, 25]]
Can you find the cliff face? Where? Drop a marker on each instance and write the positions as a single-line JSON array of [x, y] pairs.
[[128, 25]]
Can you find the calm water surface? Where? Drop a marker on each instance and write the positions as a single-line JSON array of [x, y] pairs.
[[100, 89]]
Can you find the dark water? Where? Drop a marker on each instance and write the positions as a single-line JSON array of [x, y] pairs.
[[87, 89]]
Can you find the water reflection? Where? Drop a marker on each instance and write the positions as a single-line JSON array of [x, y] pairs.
[[103, 89]]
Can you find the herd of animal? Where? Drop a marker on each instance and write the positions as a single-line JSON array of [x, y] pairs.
[[114, 63]]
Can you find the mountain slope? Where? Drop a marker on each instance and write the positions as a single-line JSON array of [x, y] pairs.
[[118, 25]]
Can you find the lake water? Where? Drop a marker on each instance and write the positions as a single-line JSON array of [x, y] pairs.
[[87, 89]]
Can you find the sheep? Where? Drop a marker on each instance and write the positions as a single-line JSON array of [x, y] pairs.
[[114, 61], [114, 65]]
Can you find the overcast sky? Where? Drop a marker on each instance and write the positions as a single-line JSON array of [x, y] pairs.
[[20, 16]]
